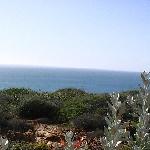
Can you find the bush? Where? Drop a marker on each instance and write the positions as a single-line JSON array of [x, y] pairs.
[[14, 124], [4, 117], [97, 104], [91, 103], [6, 103], [89, 122], [28, 146], [3, 123], [17, 91], [40, 146], [68, 94], [18, 125], [38, 108], [73, 108], [5, 98], [124, 95]]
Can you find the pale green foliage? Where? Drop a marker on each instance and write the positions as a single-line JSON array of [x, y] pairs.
[[70, 143], [3, 143], [143, 127], [140, 105], [114, 134], [68, 138]]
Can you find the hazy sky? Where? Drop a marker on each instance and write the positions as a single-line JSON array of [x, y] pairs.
[[103, 34]]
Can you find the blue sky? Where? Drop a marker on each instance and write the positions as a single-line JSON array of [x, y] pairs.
[[102, 34]]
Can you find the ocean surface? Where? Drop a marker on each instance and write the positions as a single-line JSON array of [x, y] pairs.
[[52, 79]]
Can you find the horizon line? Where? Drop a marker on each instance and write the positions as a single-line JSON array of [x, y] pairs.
[[59, 67]]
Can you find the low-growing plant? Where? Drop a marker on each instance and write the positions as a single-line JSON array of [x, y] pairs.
[[140, 138], [28, 146], [18, 125], [38, 108], [68, 94], [114, 133], [17, 91], [91, 103], [89, 122]]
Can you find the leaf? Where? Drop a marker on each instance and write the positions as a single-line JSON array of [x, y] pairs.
[[109, 123]]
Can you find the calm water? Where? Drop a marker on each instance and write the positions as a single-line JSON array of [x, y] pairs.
[[50, 79]]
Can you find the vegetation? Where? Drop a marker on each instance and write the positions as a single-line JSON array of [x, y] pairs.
[[28, 146], [38, 107], [122, 117], [61, 106], [135, 134]]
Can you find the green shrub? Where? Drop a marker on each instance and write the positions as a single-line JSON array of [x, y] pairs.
[[38, 108], [4, 97], [21, 146], [68, 94], [17, 91], [95, 104], [28, 146], [6, 105], [72, 110], [123, 95], [40, 146]]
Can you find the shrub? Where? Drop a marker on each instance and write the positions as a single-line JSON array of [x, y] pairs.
[[14, 124], [4, 117], [18, 125], [91, 103], [3, 123], [38, 108], [89, 122], [124, 95], [136, 133], [97, 104], [72, 109], [6, 103], [17, 91], [28, 146], [20, 146], [68, 94], [40, 146], [5, 98]]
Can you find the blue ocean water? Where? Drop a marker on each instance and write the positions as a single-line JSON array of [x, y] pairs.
[[52, 79]]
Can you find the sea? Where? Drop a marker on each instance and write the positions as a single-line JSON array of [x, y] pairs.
[[53, 79]]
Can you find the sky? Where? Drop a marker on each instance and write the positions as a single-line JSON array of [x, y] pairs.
[[98, 34]]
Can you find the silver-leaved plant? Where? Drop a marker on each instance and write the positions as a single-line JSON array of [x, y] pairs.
[[3, 143], [143, 126], [69, 139], [115, 133], [141, 107]]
